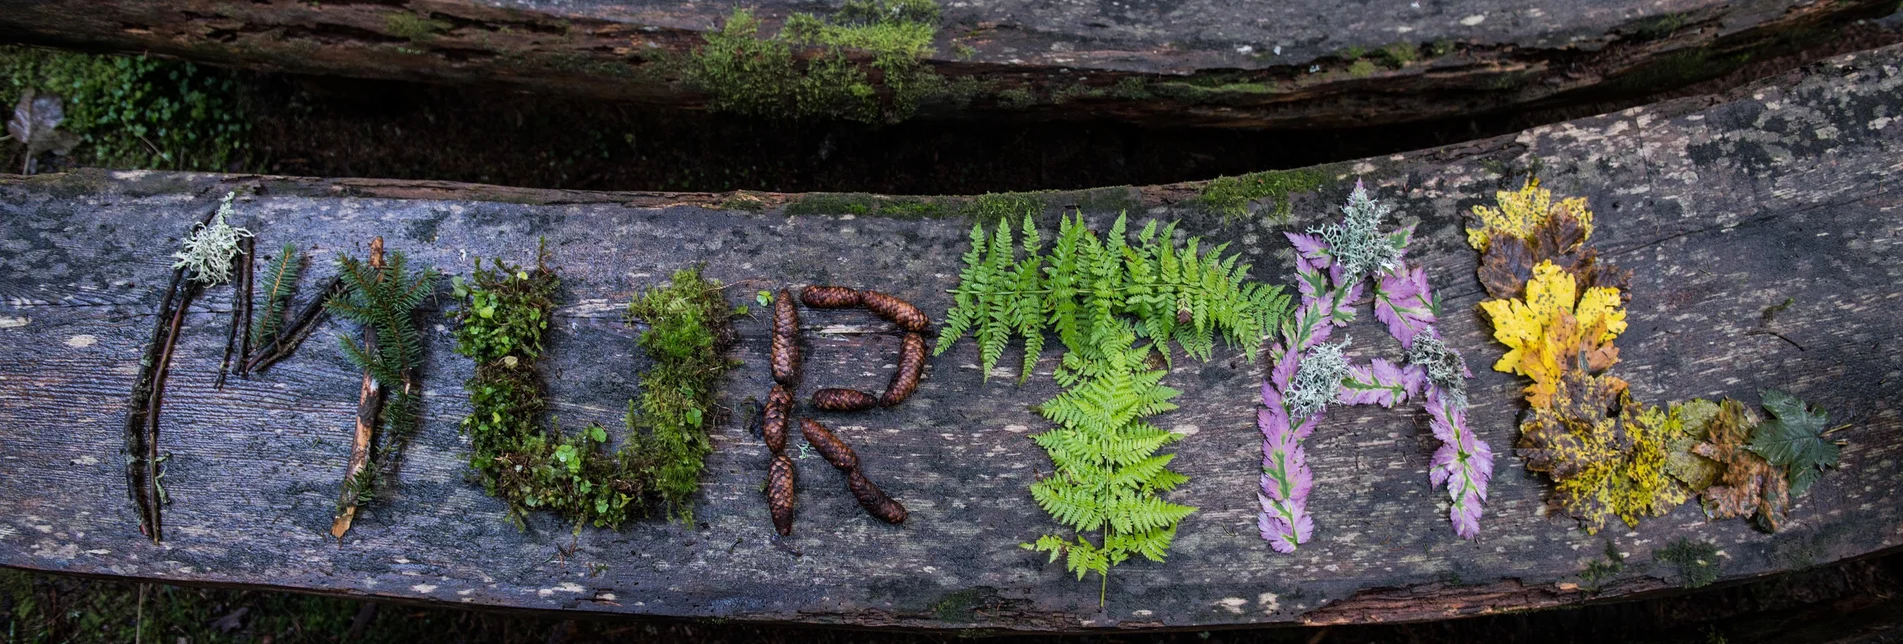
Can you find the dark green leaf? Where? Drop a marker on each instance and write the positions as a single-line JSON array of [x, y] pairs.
[[1794, 439]]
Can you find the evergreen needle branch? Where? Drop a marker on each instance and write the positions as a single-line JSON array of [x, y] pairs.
[[382, 297]]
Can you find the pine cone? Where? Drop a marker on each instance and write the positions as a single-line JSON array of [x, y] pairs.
[[836, 451], [779, 406], [873, 499], [779, 493], [829, 297], [785, 359], [837, 399], [911, 368], [897, 311]]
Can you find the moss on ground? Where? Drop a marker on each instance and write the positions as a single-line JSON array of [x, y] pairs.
[[1696, 561], [1231, 196], [135, 111], [818, 67]]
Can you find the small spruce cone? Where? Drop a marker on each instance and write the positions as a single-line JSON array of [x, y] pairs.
[[786, 319], [1183, 313], [873, 499], [779, 406], [911, 368], [785, 359], [779, 493], [836, 399], [836, 451], [898, 311], [829, 297]]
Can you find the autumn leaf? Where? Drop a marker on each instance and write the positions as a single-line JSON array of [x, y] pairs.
[[1555, 328], [1513, 247], [1748, 485], [1606, 453], [1794, 439], [1693, 416], [1522, 212]]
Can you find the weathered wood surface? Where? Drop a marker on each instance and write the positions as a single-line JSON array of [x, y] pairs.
[[1723, 206], [1224, 63]]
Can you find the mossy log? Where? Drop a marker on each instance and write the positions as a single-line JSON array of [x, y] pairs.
[[1762, 227], [1245, 64]]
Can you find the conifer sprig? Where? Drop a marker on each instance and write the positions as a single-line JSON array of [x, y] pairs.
[[384, 299], [280, 285]]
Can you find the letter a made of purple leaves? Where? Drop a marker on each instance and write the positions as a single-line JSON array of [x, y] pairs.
[[1334, 264]]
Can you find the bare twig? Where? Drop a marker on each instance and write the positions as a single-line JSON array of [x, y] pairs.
[[141, 448], [249, 292], [287, 341], [240, 294]]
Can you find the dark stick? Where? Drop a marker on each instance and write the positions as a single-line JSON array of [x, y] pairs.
[[136, 440], [153, 499], [239, 289], [286, 342], [249, 293], [141, 436]]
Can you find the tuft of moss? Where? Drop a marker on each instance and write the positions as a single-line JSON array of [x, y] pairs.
[[689, 332], [134, 111], [1016, 98], [1230, 196], [859, 203], [747, 73], [414, 27], [1696, 561], [1002, 205], [502, 323], [1398, 55], [1361, 68], [1131, 88]]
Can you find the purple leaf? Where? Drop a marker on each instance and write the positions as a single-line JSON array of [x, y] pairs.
[[1400, 301], [1378, 383], [1310, 246]]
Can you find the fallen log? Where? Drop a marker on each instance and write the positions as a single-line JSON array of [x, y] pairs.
[[1301, 64], [1774, 208]]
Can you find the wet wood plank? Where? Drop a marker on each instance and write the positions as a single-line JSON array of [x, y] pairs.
[[1303, 64], [1723, 206]]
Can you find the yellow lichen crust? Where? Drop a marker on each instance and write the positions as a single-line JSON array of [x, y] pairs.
[[1521, 212]]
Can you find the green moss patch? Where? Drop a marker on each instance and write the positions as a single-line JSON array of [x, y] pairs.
[[818, 67], [135, 112], [688, 336], [1230, 196], [502, 324]]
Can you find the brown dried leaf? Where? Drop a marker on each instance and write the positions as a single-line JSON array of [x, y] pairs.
[[1749, 484]]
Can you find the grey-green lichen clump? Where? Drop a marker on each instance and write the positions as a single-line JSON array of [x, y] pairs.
[[818, 67], [211, 246]]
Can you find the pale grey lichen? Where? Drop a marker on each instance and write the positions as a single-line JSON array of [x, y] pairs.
[[1445, 368], [1317, 381], [1357, 244], [211, 246]]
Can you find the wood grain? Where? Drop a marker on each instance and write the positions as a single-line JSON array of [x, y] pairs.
[[1723, 207]]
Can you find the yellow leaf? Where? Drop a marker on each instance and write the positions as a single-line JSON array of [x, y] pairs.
[[1521, 212], [1545, 332]]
